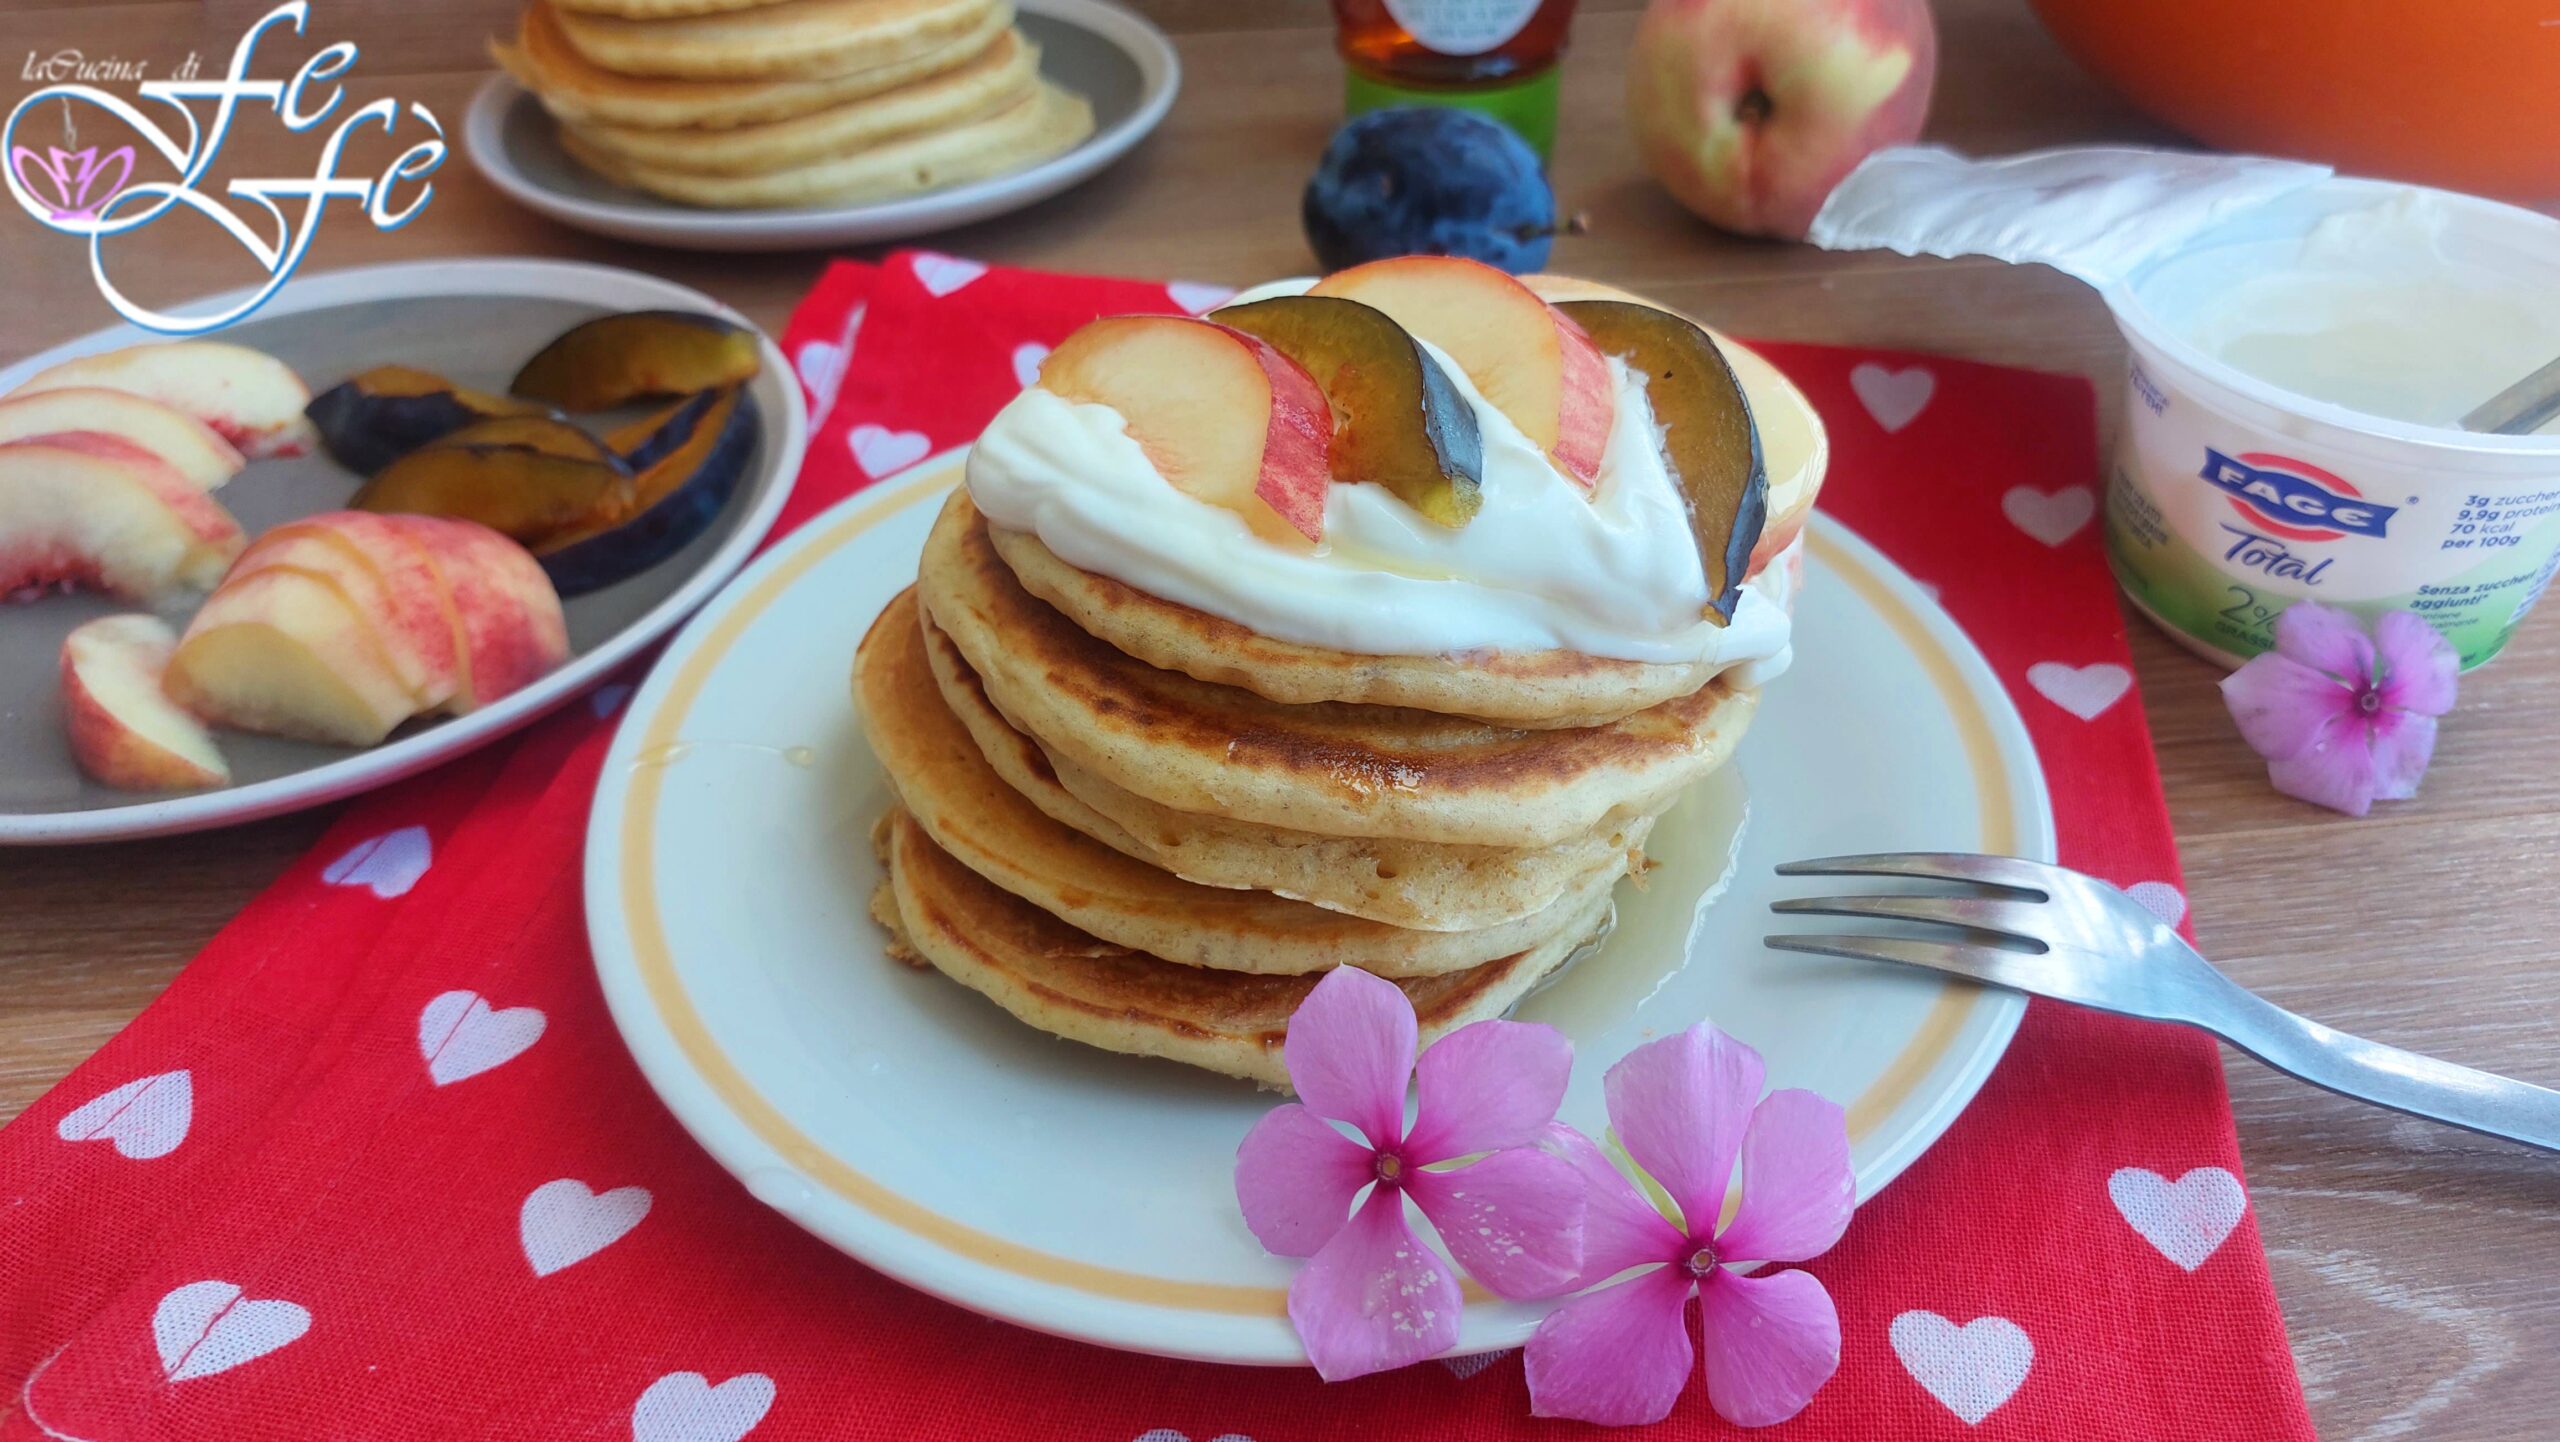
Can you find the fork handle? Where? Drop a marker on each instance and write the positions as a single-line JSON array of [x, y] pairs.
[[2402, 1080]]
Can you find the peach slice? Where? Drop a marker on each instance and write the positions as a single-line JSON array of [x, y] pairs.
[[87, 508], [124, 730], [183, 443], [1531, 361], [285, 652], [248, 397], [388, 581], [502, 612], [1223, 415]]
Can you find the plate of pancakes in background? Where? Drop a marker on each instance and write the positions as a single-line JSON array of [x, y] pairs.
[[975, 962], [776, 124]]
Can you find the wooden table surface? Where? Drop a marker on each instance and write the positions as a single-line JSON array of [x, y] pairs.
[[2413, 1261]]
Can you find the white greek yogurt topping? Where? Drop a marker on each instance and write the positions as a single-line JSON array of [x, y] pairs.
[[1540, 567]]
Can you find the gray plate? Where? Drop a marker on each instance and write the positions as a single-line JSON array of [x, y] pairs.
[[1118, 61], [475, 322]]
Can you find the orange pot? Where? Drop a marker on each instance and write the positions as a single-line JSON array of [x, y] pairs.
[[2464, 94]]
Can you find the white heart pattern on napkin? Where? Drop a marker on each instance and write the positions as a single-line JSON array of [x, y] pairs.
[[1894, 398], [1464, 1367], [1196, 296], [145, 1118], [2188, 1219], [821, 367], [881, 451], [562, 1223], [387, 865], [943, 274], [2084, 691], [2052, 517], [2160, 899], [1972, 1369], [1026, 361], [1176, 1434], [685, 1407], [460, 1035], [208, 1327]]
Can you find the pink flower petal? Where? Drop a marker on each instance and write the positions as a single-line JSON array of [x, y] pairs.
[[1618, 1356], [1771, 1342], [2402, 747], [1621, 1229], [2328, 640], [2419, 668], [1679, 1106], [1512, 1219], [2338, 773], [1375, 1298], [1350, 1052], [1487, 1086], [1797, 1188], [2282, 705], [1295, 1178]]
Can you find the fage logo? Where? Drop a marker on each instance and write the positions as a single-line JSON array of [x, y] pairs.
[[2294, 499]]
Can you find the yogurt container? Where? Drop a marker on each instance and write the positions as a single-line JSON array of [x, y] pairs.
[[2303, 346]]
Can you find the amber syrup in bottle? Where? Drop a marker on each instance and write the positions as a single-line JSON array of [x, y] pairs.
[[1494, 56]]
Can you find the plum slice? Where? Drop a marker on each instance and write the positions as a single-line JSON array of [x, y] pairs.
[[687, 461], [639, 355], [1708, 440], [375, 417], [1398, 420], [530, 478]]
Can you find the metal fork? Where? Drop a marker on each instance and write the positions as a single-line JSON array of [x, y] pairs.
[[2053, 932]]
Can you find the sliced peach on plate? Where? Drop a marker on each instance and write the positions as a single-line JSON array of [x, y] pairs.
[[1398, 419], [1223, 415], [124, 730], [182, 443], [248, 397], [1709, 443], [505, 617], [287, 652], [389, 582], [1527, 358], [83, 508]]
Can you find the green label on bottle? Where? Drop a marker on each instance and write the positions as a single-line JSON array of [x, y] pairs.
[[1527, 106]]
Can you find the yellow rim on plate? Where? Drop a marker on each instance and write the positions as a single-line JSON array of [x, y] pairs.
[[675, 1011]]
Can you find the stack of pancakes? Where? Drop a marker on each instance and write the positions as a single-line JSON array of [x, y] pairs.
[[1146, 828], [753, 103]]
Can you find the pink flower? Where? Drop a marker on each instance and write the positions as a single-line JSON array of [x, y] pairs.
[[2344, 718], [1684, 1107], [1372, 1296]]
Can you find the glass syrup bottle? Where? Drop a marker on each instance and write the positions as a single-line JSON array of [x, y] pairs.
[[1494, 56]]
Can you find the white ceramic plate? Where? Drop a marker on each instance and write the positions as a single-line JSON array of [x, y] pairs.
[[1124, 65], [473, 321], [916, 1126]]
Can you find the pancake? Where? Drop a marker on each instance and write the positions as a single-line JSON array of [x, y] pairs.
[[1529, 689], [982, 822], [795, 38], [1002, 75], [1064, 982], [1328, 768], [1416, 885], [1047, 122], [579, 91], [658, 9]]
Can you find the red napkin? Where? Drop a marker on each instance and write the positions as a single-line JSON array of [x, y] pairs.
[[377, 1165]]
